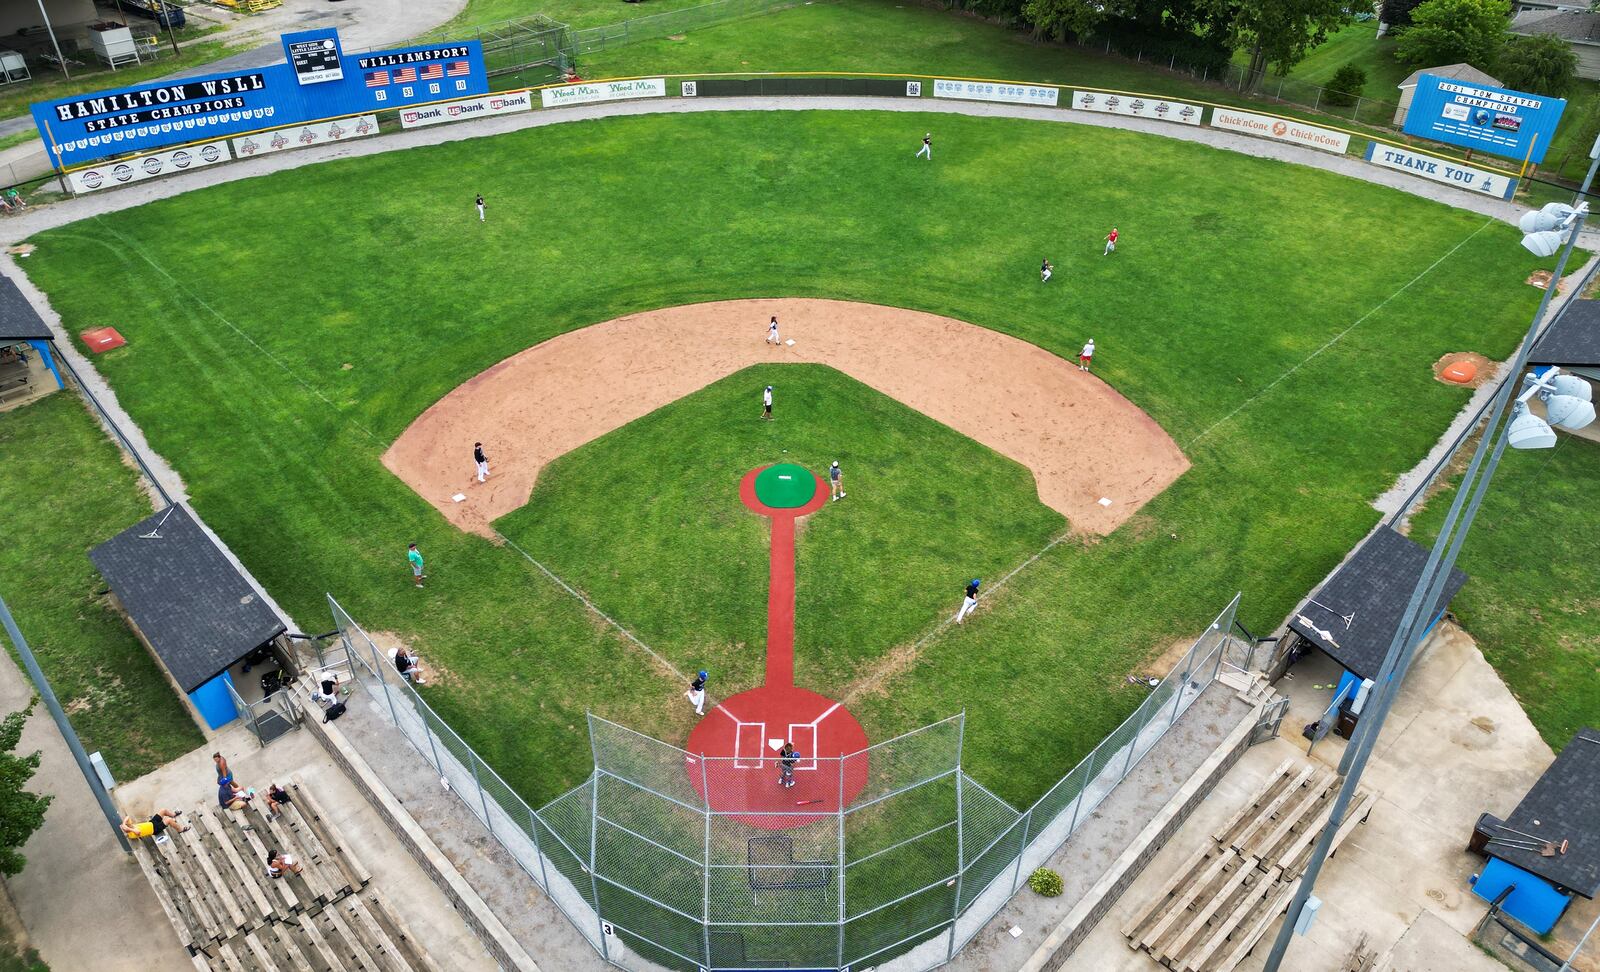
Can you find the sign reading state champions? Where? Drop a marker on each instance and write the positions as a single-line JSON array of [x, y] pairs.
[[81, 129]]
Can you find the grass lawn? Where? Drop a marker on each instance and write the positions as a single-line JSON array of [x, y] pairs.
[[68, 490], [629, 518], [1266, 315], [1531, 602]]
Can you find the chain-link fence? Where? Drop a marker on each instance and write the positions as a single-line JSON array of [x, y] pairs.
[[893, 858]]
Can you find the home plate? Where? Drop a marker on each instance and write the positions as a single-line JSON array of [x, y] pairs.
[[1105, 501], [459, 497]]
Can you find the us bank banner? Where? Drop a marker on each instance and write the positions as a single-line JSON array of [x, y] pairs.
[[584, 92], [1442, 170]]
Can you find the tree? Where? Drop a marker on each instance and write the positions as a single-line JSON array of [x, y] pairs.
[[21, 812], [1346, 86], [1453, 32], [1277, 32], [1397, 13], [1543, 64]]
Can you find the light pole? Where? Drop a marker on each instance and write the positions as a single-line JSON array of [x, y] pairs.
[[1551, 227]]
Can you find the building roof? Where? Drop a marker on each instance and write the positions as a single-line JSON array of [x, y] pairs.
[[1353, 616], [1457, 72], [1578, 26], [1572, 340], [196, 610], [18, 320], [1564, 805]]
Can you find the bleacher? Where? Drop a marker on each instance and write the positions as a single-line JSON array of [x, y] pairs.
[[232, 917]]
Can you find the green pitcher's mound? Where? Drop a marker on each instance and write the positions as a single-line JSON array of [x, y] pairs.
[[785, 486]]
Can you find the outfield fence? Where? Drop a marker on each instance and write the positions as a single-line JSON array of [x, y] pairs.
[[663, 859]]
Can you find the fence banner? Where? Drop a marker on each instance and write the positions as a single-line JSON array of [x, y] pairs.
[[1280, 129], [1019, 94], [124, 171], [495, 104], [584, 93], [1442, 170], [316, 133], [1138, 106]]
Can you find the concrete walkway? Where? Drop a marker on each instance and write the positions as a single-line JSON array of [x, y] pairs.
[[67, 211], [85, 903]]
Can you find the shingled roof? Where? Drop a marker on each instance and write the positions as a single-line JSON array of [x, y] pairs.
[[199, 614], [1354, 615]]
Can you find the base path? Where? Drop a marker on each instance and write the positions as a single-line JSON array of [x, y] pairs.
[[1082, 441]]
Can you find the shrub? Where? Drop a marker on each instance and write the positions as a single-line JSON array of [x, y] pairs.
[[1346, 86], [1045, 882]]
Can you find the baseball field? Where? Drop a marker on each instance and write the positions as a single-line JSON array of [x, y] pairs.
[[1277, 324]]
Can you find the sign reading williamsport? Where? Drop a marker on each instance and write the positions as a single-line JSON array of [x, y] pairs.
[[1442, 170], [1280, 129]]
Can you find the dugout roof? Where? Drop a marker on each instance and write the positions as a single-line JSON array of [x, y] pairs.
[[18, 320], [198, 613], [1353, 616], [1564, 805], [1573, 339]]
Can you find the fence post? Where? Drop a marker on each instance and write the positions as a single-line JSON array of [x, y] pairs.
[[483, 797]]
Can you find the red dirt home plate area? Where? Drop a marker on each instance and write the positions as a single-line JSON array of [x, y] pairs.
[[1081, 439]]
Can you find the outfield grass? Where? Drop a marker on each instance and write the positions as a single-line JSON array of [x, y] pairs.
[[67, 490], [1268, 316], [1531, 602], [630, 517]]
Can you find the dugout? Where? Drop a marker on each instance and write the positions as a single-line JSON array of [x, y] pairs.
[[27, 366], [1548, 849], [200, 617], [1353, 616]]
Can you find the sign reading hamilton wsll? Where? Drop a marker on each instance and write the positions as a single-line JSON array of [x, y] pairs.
[[1514, 124], [317, 81]]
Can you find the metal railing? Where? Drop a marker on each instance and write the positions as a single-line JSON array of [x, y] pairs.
[[662, 859]]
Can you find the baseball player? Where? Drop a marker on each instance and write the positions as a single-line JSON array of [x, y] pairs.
[[415, 556], [479, 204], [927, 147], [1045, 271], [1111, 242], [766, 403], [697, 693], [772, 332], [1086, 355], [836, 479], [787, 757], [969, 600], [482, 461]]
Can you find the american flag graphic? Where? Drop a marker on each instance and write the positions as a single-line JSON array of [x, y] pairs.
[[458, 68], [432, 72], [377, 79], [405, 75]]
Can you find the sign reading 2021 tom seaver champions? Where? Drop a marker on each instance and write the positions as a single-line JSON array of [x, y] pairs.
[[1017, 94], [1137, 106], [1280, 129], [585, 92], [1442, 170]]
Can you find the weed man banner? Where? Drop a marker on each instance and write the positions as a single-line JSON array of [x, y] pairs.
[[1442, 170], [1137, 106], [584, 93], [1280, 130]]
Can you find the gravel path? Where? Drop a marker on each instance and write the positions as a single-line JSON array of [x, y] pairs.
[[59, 214]]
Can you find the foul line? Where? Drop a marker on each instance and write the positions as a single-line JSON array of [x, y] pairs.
[[136, 248], [591, 606], [1336, 338]]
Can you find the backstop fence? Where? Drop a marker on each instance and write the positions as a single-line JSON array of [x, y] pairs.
[[893, 857]]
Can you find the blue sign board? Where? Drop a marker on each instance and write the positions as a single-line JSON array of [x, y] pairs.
[[1484, 117], [315, 83]]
